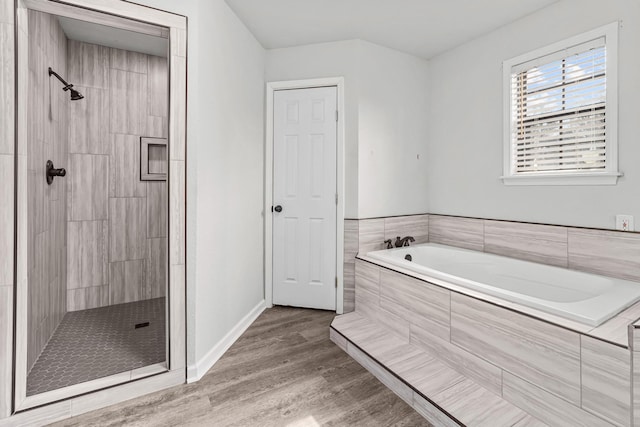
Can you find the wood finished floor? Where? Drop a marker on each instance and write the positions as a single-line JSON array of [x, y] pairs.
[[283, 371]]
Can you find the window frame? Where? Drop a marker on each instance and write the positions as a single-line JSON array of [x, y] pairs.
[[610, 174]]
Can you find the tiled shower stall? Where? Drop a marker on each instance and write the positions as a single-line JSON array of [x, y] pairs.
[[98, 236]]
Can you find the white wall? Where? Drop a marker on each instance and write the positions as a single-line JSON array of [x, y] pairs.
[[225, 145], [327, 60], [465, 137], [393, 131], [386, 120]]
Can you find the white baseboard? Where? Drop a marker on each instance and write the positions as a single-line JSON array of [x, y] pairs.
[[202, 366]]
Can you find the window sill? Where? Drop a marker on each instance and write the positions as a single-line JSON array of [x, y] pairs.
[[605, 178]]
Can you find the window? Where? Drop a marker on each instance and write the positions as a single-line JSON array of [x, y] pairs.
[[560, 113]]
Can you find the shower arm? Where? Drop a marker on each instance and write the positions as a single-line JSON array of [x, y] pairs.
[[67, 86]]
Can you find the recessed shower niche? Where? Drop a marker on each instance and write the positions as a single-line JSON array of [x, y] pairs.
[[95, 304]]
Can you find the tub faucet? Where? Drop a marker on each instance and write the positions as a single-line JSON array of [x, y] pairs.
[[404, 241], [389, 243]]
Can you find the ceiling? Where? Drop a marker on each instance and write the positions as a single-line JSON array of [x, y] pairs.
[[423, 28], [89, 32]]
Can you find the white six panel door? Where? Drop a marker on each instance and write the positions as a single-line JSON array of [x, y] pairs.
[[304, 181]]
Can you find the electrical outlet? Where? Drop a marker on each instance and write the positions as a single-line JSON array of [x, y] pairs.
[[624, 222]]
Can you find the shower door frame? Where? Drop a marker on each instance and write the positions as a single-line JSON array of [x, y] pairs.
[[105, 391]]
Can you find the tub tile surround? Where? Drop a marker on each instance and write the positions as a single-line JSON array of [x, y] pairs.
[[421, 380], [605, 380], [545, 244], [467, 233], [555, 374], [365, 235], [535, 351], [634, 333], [603, 252], [351, 244], [606, 252]]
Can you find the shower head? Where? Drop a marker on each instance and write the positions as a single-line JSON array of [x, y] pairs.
[[75, 95]]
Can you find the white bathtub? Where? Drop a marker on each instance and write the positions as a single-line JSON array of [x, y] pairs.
[[583, 297]]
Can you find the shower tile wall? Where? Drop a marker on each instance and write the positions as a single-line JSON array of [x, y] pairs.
[[7, 159], [117, 223], [46, 139]]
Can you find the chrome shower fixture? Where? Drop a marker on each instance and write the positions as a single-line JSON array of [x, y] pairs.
[[75, 95]]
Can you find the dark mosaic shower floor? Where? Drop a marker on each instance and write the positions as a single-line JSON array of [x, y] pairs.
[[96, 343]]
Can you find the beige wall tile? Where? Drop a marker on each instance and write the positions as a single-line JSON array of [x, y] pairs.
[[349, 303], [431, 412], [177, 141], [606, 383], [87, 257], [529, 421], [6, 12], [371, 235], [178, 40], [394, 323], [636, 388], [157, 207], [158, 80], [550, 409], [7, 86], [127, 60], [349, 270], [385, 377], [89, 127], [416, 302], [367, 303], [156, 267], [127, 281], [453, 231], [125, 167], [88, 64], [6, 219], [349, 286], [614, 329], [177, 309], [367, 277], [464, 362], [128, 102], [127, 225], [86, 298], [177, 214], [531, 242], [338, 339], [473, 405], [610, 253], [351, 228], [545, 355], [6, 348], [157, 127], [416, 226], [87, 187]]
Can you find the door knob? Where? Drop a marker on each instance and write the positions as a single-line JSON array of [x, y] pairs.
[[278, 208]]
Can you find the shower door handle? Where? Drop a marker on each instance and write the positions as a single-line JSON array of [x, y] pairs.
[[278, 209]]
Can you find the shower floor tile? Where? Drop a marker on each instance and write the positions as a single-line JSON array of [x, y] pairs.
[[99, 342]]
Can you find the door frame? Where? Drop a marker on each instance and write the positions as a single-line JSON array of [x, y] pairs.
[[57, 404], [271, 87]]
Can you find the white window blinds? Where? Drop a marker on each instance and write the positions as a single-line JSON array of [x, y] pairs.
[[559, 112]]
